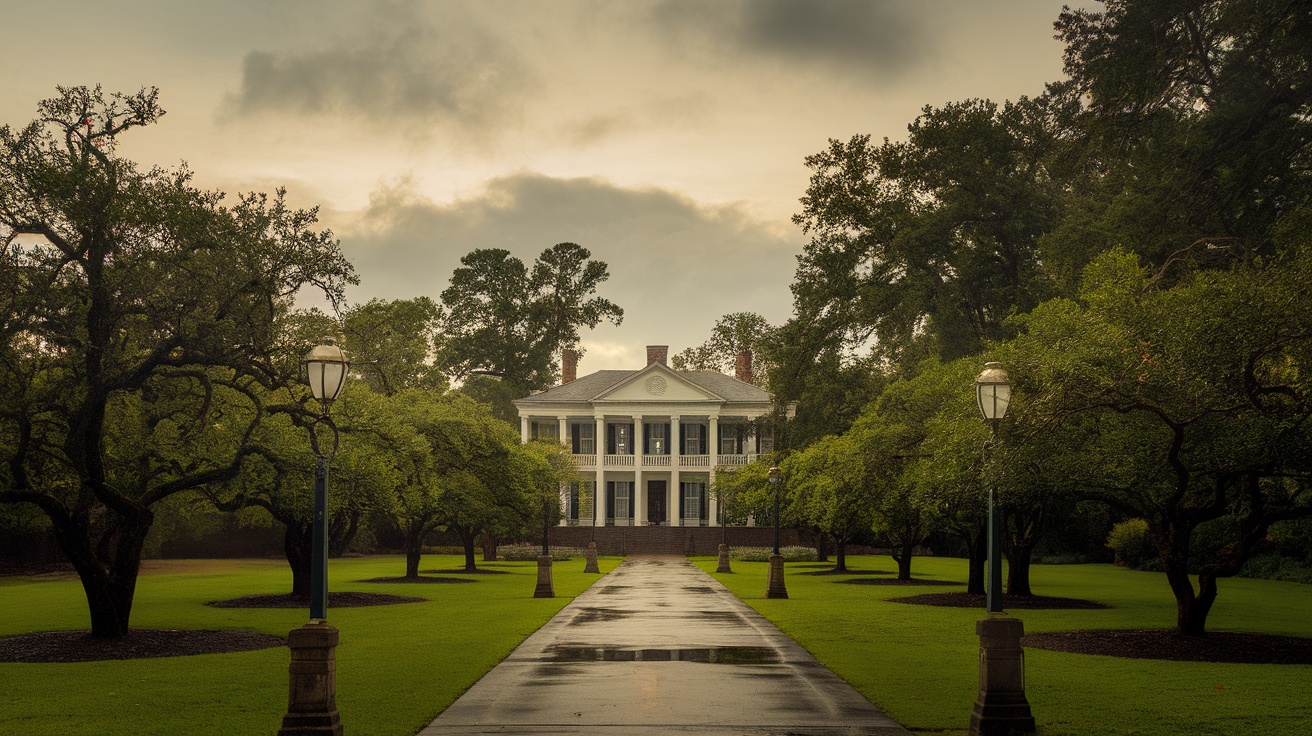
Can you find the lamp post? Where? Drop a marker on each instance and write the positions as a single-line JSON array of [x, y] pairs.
[[312, 697], [1001, 707], [993, 395], [775, 587]]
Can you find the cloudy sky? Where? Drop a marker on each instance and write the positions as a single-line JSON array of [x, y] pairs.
[[666, 136]]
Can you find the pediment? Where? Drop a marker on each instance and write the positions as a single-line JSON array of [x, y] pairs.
[[656, 383]]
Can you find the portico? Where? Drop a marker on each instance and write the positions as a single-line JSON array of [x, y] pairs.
[[651, 440]]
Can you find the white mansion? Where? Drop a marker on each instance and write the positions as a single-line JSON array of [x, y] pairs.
[[652, 439]]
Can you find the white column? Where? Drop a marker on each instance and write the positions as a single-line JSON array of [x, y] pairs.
[[750, 447], [563, 433], [639, 491], [599, 445], [713, 445], [564, 505], [672, 493], [523, 430]]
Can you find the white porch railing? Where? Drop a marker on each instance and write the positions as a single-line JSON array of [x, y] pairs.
[[586, 461], [618, 461], [694, 461], [734, 461], [656, 461]]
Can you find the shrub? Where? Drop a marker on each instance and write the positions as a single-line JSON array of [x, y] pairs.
[[1129, 540], [1061, 558], [762, 554], [1276, 567], [531, 552]]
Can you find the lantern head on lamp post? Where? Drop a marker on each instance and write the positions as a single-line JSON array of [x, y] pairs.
[[993, 394], [325, 369]]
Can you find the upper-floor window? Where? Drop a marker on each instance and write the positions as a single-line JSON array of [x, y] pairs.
[[619, 439], [732, 438], [656, 439], [582, 439], [694, 439]]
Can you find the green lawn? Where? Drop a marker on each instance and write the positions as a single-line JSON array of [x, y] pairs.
[[919, 663], [398, 666]]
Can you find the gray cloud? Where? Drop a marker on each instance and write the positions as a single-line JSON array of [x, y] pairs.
[[849, 36], [400, 66], [675, 265]]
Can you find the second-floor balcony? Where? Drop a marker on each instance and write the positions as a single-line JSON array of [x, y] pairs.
[[590, 461]]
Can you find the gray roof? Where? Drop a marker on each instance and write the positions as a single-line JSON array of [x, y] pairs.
[[585, 388]]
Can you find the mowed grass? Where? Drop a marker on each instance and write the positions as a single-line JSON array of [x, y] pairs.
[[919, 663], [397, 666]]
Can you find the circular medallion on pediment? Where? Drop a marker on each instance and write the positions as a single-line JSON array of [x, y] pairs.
[[656, 385]]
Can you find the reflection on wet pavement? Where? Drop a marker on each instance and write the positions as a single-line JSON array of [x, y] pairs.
[[709, 655]]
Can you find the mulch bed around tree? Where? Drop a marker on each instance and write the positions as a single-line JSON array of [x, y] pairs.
[[1216, 646], [976, 600], [81, 646], [895, 581], [832, 571], [419, 579], [335, 600], [463, 571]]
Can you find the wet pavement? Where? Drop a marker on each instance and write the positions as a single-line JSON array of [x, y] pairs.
[[656, 647]]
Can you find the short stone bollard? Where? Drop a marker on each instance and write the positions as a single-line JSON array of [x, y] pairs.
[[591, 565], [775, 587], [312, 697], [545, 587], [723, 564], [1001, 708]]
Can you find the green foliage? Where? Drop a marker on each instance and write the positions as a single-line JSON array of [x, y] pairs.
[[504, 320], [731, 335], [1131, 543], [762, 554], [927, 674], [139, 322], [390, 344], [447, 649]]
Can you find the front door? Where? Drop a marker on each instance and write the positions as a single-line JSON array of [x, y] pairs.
[[656, 506]]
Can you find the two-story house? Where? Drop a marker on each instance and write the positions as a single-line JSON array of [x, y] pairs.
[[650, 441]]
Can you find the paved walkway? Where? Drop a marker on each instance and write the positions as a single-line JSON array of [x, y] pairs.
[[656, 647]]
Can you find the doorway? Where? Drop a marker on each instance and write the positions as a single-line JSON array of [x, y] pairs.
[[656, 506]]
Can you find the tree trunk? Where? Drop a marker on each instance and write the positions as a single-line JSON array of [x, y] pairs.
[[414, 550], [108, 568], [903, 557], [489, 547], [978, 549], [1019, 555], [840, 563], [821, 549], [342, 530], [468, 537], [298, 546]]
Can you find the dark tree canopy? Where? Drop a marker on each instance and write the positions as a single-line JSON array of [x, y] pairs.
[[138, 323], [505, 320]]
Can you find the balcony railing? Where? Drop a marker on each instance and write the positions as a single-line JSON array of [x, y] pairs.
[[586, 461], [663, 461], [694, 461], [734, 460], [617, 461], [656, 461]]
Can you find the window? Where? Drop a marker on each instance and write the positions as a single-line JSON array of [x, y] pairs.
[[619, 439], [731, 439], [544, 430], [656, 439], [580, 501], [621, 495], [693, 500], [765, 441], [582, 441], [694, 439]]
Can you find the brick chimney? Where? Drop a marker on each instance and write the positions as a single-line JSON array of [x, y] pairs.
[[743, 366], [657, 354], [569, 365]]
